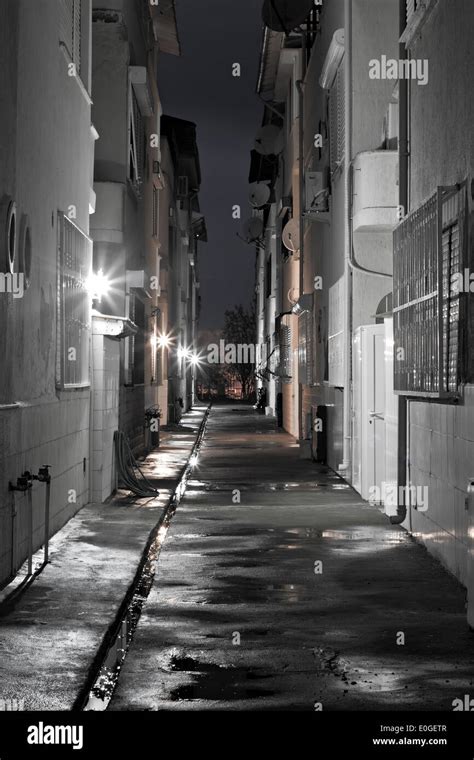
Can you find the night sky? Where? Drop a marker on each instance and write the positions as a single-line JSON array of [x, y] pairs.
[[199, 86]]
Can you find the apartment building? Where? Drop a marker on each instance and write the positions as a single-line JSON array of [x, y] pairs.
[[335, 204], [182, 229], [127, 39]]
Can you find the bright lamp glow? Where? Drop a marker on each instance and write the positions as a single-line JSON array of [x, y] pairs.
[[195, 360], [98, 285], [182, 353], [163, 341]]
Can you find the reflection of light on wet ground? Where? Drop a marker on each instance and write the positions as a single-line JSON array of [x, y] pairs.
[[364, 535]]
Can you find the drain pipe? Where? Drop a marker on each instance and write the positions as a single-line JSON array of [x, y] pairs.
[[345, 467], [44, 476], [403, 202]]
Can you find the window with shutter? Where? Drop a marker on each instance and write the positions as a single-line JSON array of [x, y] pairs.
[[66, 12], [130, 344], [285, 353], [411, 7], [137, 143], [70, 29], [76, 35], [337, 120], [305, 347], [73, 303]]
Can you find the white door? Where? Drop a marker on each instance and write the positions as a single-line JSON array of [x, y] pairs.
[[368, 455]]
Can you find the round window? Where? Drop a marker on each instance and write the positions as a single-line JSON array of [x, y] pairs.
[[8, 234], [25, 250]]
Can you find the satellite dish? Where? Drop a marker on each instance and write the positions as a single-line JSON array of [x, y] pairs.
[[253, 229], [291, 235], [269, 140], [259, 194], [285, 15]]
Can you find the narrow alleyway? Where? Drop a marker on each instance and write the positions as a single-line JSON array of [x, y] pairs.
[[299, 594]]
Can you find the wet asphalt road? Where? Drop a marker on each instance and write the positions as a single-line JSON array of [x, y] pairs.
[[298, 597]]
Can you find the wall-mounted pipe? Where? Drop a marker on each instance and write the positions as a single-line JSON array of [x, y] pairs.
[[403, 156], [345, 467]]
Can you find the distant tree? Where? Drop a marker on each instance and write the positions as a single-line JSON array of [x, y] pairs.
[[240, 330]]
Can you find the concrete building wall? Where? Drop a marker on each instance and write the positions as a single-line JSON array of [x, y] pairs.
[[49, 170]]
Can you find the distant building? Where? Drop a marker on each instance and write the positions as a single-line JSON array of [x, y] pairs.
[[182, 228]]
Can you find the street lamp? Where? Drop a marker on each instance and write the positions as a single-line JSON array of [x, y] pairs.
[[98, 285]]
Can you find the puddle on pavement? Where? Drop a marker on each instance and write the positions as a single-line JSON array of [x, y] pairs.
[[215, 683]]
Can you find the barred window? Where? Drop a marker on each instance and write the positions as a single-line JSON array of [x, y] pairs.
[[70, 29], [73, 305], [305, 347], [429, 257], [337, 120]]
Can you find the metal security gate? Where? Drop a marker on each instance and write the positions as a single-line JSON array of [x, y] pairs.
[[429, 256]]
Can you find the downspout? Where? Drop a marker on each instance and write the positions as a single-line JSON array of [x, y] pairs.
[[403, 202], [301, 171], [345, 467]]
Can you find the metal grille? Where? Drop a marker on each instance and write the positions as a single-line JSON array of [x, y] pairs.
[[66, 14], [428, 251], [285, 353], [452, 247], [130, 344], [76, 35], [305, 348], [74, 264], [337, 120], [137, 142]]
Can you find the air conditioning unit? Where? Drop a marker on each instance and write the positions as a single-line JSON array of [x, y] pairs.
[[317, 193], [183, 187]]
